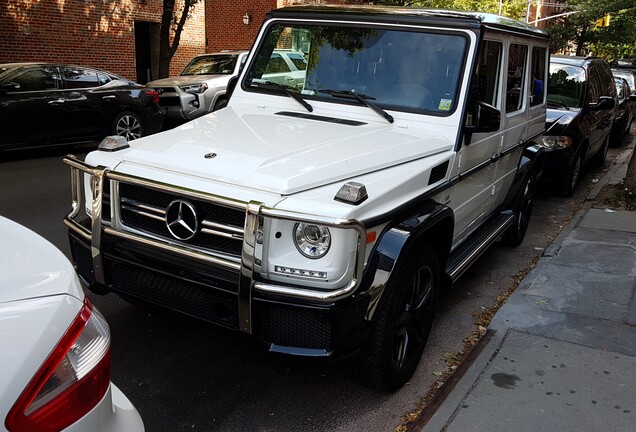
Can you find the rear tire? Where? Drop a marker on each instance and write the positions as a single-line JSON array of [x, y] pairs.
[[128, 125], [403, 324], [522, 211]]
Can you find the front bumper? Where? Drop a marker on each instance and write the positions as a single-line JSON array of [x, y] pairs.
[[180, 105], [230, 293]]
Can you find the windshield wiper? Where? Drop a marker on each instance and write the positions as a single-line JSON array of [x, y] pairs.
[[363, 99], [285, 89], [558, 104]]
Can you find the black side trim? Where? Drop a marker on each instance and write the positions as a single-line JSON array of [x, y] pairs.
[[320, 118]]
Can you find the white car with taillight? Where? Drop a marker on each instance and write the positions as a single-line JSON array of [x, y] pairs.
[[55, 355]]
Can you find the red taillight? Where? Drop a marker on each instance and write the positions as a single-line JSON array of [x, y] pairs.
[[154, 94], [70, 382]]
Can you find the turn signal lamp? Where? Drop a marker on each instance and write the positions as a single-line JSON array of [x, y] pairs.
[[113, 143], [352, 193]]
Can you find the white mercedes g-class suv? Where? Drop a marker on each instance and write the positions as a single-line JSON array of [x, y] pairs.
[[327, 219]]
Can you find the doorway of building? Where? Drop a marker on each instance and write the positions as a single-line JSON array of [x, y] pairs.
[[146, 51]]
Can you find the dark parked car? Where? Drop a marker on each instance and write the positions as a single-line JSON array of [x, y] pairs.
[[629, 75], [48, 104], [624, 111], [582, 103]]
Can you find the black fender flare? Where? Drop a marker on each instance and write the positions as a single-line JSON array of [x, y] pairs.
[[432, 221], [531, 161]]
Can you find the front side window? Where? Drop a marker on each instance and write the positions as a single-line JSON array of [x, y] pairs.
[[515, 88], [566, 85], [45, 78], [394, 69], [211, 65]]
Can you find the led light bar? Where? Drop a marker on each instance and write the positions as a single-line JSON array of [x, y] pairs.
[[300, 272]]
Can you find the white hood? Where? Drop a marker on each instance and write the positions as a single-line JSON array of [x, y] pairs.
[[282, 154]]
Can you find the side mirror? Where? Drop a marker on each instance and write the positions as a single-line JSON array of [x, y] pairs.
[[9, 87], [231, 85], [632, 98], [604, 103], [486, 118]]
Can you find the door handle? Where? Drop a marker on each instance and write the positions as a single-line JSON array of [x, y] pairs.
[[57, 102], [109, 97]]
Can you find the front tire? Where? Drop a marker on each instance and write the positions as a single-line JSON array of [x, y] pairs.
[[522, 211], [128, 125], [403, 325], [568, 187]]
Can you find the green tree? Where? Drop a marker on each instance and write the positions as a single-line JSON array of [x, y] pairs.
[[581, 30], [511, 8], [173, 20]]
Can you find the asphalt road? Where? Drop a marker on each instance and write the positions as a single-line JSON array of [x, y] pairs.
[[186, 375]]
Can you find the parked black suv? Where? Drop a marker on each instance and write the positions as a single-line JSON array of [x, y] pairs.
[[581, 112]]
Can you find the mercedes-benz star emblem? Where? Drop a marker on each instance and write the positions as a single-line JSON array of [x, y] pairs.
[[181, 220]]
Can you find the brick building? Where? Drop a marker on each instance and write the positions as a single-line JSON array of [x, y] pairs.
[[122, 36]]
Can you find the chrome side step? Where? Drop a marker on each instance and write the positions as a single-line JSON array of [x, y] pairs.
[[477, 243]]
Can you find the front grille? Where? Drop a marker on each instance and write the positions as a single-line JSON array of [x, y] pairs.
[[187, 297], [293, 327], [169, 100], [221, 228], [106, 201]]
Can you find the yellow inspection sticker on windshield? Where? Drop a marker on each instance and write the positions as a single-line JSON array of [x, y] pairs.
[[444, 104]]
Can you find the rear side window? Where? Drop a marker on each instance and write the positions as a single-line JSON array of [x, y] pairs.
[[276, 64], [77, 78], [298, 61], [538, 78], [515, 87]]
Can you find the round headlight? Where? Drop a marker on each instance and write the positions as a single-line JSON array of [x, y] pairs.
[[312, 241]]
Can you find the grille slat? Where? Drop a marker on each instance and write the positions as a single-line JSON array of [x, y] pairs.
[[144, 209]]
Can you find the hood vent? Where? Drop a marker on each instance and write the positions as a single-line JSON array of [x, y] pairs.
[[438, 173]]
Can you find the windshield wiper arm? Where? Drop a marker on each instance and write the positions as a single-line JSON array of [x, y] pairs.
[[558, 104], [285, 89], [363, 99]]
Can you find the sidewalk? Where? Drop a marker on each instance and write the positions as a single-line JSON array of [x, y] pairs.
[[560, 354]]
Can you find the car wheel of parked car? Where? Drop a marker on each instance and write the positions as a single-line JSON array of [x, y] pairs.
[[221, 103], [403, 324], [573, 177], [522, 210], [128, 125]]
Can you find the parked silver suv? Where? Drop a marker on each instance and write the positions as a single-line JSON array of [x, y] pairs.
[[201, 87]]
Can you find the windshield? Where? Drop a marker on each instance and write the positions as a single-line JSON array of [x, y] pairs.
[[566, 85], [400, 70], [211, 65]]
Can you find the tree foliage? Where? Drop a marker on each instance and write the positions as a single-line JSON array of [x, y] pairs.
[[511, 8], [580, 31], [173, 19]]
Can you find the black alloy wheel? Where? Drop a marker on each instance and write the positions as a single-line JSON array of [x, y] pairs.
[[522, 211], [128, 125], [572, 179], [403, 325]]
